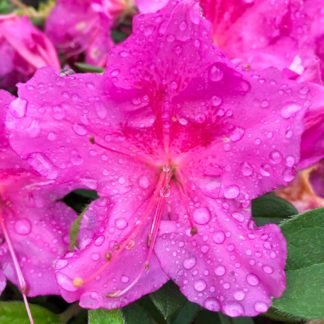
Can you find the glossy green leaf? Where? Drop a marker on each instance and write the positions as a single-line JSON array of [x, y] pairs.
[[271, 209], [102, 316], [304, 295], [83, 67], [168, 300], [15, 313], [135, 313]]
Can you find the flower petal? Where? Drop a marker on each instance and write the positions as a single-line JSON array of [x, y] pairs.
[[108, 264]]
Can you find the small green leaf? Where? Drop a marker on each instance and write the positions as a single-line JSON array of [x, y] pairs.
[[271, 209], [83, 67], [187, 314], [74, 230], [304, 295], [102, 316], [168, 300], [15, 313]]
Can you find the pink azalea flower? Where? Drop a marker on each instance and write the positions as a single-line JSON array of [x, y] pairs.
[[177, 142], [23, 49], [77, 26], [33, 223]]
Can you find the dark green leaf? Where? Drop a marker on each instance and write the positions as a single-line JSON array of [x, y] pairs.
[[271, 209], [135, 313], [168, 299], [74, 230], [102, 316], [187, 314], [15, 313], [304, 295]]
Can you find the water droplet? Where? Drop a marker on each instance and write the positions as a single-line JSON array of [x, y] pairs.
[[290, 161], [264, 104], [183, 26], [247, 169], [201, 215], [99, 240], [290, 110], [76, 158], [33, 129], [219, 237], [275, 157], [265, 170], [58, 113], [19, 107], [289, 174], [233, 309], [121, 223], [216, 101], [267, 269], [143, 182], [195, 14], [239, 217], [215, 74], [101, 110], [79, 129], [261, 307], [200, 285], [239, 295], [212, 304], [65, 282], [237, 134], [231, 192], [23, 226], [189, 263], [252, 279], [124, 279], [43, 165], [90, 300]]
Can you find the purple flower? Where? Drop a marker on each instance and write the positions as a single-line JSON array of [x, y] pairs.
[[77, 26], [177, 142], [23, 49]]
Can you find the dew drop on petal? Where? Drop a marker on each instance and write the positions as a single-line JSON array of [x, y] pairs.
[[89, 300], [201, 216], [219, 237], [261, 307], [239, 217], [216, 101], [220, 271], [189, 263], [231, 192], [215, 74], [237, 134], [267, 269], [212, 304], [239, 295], [143, 182], [101, 110], [60, 264], [247, 169], [79, 129], [121, 223], [290, 110], [65, 282], [19, 107], [23, 226], [275, 157], [233, 309], [200, 285], [99, 240], [252, 279]]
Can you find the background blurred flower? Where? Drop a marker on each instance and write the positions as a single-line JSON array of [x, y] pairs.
[[34, 224], [23, 49], [83, 26]]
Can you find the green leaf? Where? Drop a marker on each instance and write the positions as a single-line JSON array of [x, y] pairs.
[[168, 300], [304, 295], [187, 314], [15, 313], [83, 67], [135, 313], [102, 316], [74, 230], [271, 209]]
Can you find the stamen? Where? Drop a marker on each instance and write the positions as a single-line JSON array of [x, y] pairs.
[[128, 242], [21, 279], [78, 282]]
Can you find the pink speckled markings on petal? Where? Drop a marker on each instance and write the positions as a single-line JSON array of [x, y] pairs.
[[177, 142]]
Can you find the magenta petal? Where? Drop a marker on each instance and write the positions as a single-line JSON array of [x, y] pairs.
[[120, 265], [226, 266], [3, 282]]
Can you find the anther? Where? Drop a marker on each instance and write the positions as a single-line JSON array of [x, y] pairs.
[[78, 282], [146, 265], [108, 256], [193, 231], [130, 245], [116, 246], [92, 140]]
